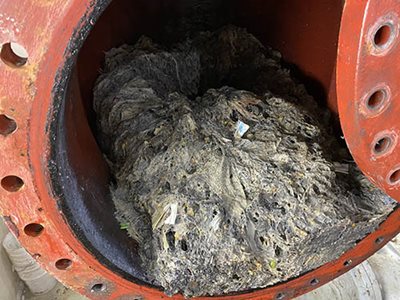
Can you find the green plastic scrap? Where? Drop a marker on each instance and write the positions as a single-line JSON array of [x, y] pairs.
[[273, 264], [124, 226]]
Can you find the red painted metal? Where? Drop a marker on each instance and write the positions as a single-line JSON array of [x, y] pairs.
[[305, 34], [367, 64], [44, 28]]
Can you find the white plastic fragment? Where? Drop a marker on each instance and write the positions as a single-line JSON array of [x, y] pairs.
[[241, 129], [214, 224], [172, 217]]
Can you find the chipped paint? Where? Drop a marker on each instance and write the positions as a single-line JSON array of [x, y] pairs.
[[9, 27]]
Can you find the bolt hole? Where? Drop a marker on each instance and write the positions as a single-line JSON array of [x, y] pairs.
[[7, 125], [383, 36], [394, 177], [376, 100], [33, 229], [379, 240], [348, 263], [13, 54], [63, 264], [382, 145], [280, 296], [98, 288], [315, 281], [12, 184]]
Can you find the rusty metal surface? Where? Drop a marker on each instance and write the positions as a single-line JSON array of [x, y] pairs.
[[44, 28]]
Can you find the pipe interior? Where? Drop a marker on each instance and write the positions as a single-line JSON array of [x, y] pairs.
[[286, 25]]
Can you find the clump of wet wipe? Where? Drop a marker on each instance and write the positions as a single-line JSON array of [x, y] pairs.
[[226, 171]]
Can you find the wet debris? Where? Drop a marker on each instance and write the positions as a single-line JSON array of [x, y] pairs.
[[227, 172]]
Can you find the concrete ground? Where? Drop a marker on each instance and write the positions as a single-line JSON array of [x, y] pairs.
[[8, 279], [58, 293]]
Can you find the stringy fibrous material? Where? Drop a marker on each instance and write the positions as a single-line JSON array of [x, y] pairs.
[[226, 170]]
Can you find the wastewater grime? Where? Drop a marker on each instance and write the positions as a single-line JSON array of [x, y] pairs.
[[226, 171]]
